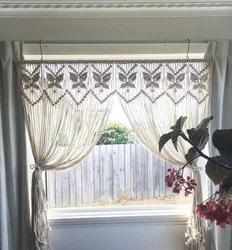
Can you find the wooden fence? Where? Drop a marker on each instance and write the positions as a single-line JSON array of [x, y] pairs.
[[109, 173]]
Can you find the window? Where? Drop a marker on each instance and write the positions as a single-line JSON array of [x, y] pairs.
[[119, 174]]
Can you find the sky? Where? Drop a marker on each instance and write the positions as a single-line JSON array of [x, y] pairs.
[[117, 114]]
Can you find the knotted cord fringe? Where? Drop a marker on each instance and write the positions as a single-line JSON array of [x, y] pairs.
[[40, 225], [197, 227]]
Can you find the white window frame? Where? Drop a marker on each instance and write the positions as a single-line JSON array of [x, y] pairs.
[[158, 213]]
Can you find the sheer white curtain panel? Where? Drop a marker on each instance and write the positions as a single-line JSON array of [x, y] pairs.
[[67, 105], [65, 114], [164, 92]]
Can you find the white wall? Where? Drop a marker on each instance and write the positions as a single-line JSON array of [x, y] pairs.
[[134, 236], [115, 20], [144, 231]]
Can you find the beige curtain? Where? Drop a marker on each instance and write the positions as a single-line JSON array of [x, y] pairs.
[[164, 92], [67, 105], [65, 114]]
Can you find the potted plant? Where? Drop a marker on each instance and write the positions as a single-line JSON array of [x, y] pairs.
[[217, 207]]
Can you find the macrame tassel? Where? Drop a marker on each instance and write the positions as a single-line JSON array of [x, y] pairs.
[[197, 228], [40, 225]]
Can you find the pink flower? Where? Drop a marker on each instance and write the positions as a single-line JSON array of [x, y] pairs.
[[218, 208], [168, 181], [174, 178]]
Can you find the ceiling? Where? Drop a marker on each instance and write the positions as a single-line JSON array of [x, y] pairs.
[[113, 21]]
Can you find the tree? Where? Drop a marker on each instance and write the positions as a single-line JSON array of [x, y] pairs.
[[115, 133]]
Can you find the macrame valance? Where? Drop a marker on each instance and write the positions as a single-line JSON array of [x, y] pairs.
[[76, 80], [67, 105]]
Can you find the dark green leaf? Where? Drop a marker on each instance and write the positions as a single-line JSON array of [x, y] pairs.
[[199, 135], [222, 140], [171, 86], [179, 123], [163, 140], [204, 123], [227, 182], [190, 155], [174, 138], [215, 172]]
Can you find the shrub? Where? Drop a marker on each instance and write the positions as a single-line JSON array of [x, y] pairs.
[[115, 133]]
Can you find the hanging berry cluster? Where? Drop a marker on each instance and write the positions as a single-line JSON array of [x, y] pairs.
[[179, 183], [217, 208]]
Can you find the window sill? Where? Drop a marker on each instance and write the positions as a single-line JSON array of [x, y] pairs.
[[158, 214]]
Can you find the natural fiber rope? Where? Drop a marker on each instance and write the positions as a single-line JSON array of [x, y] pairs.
[[40, 224], [197, 227]]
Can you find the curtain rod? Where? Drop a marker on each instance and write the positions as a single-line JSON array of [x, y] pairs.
[[131, 42], [44, 62]]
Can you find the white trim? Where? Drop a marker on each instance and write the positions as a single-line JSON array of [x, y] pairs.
[[119, 8], [159, 214]]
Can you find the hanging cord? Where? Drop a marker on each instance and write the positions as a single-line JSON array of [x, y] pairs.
[[166, 41], [41, 52], [187, 56]]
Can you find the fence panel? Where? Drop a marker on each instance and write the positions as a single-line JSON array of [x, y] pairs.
[[110, 173]]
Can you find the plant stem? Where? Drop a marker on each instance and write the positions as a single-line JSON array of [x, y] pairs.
[[188, 162], [202, 154]]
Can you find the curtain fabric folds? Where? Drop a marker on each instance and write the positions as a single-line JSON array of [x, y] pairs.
[[174, 89], [67, 105], [220, 108], [14, 204], [65, 116]]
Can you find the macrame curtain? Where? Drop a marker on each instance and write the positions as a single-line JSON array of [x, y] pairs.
[[163, 93], [65, 114], [67, 105]]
